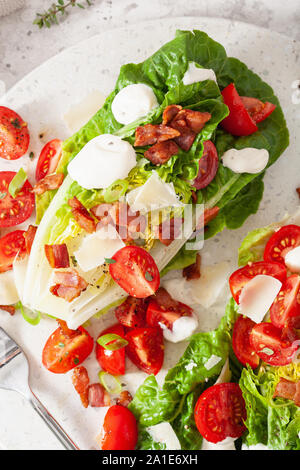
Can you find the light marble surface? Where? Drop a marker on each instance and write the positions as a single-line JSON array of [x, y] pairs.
[[23, 46], [30, 47]]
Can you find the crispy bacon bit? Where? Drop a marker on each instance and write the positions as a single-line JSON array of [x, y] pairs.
[[66, 330], [170, 112], [98, 396], [187, 136], [49, 182], [69, 284], [128, 223], [80, 380], [82, 215], [208, 215], [124, 399], [104, 213], [193, 271], [169, 230], [287, 389], [298, 191], [57, 255], [150, 134], [8, 308], [29, 237], [161, 152], [132, 312]]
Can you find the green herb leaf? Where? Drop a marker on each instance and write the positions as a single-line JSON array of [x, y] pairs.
[[112, 342]]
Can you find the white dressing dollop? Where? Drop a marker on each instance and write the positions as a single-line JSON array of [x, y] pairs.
[[247, 160], [182, 329], [258, 295], [292, 260], [103, 243], [164, 433], [196, 74], [154, 194], [133, 102], [226, 444], [103, 160]]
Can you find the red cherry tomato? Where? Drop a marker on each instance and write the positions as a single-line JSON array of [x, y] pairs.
[[132, 312], [258, 110], [244, 112], [239, 278], [120, 430], [48, 159], [146, 349], [135, 271], [220, 412], [62, 352], [112, 362], [163, 309], [241, 342], [268, 343], [10, 245], [14, 210], [14, 135], [281, 242], [208, 166], [285, 310]]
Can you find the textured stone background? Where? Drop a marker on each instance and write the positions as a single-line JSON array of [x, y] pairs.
[[23, 46]]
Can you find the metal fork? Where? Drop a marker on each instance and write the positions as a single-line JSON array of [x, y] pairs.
[[14, 375]]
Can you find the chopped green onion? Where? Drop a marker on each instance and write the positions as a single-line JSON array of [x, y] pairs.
[[3, 195], [111, 383], [109, 260], [17, 182], [32, 320], [118, 342], [115, 191]]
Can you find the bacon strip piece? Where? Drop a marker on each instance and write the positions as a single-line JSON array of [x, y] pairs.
[[69, 284], [161, 152], [151, 134], [8, 308], [208, 215], [57, 255], [298, 191], [66, 330], [104, 213], [29, 237], [193, 271], [49, 182], [287, 389], [124, 399], [195, 120], [98, 396], [169, 230], [82, 215], [170, 112], [80, 380]]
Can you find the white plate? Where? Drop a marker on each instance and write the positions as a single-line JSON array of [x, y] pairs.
[[43, 97]]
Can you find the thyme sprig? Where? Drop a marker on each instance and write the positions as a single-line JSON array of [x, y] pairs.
[[51, 16]]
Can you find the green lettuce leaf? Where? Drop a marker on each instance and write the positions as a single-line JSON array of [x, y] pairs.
[[272, 422], [181, 260]]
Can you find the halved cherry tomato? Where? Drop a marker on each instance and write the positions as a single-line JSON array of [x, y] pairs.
[[120, 430], [112, 362], [220, 412], [62, 352], [48, 159], [208, 166], [10, 245], [268, 343], [241, 342], [241, 276], [14, 210], [244, 112], [163, 309], [285, 310], [132, 312], [258, 110], [135, 271], [146, 348], [281, 242], [14, 135]]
